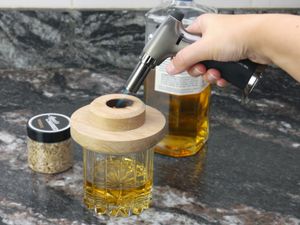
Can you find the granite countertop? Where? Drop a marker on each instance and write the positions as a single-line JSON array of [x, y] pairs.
[[247, 174]]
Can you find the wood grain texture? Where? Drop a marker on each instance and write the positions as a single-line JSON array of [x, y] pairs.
[[89, 133], [117, 119]]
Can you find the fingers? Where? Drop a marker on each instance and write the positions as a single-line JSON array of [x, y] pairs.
[[197, 70], [222, 83], [196, 52], [198, 26], [211, 76], [189, 56]]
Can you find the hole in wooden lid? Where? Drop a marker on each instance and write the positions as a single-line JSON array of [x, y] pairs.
[[119, 103]]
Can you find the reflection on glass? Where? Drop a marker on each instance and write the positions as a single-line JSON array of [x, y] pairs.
[[118, 185]]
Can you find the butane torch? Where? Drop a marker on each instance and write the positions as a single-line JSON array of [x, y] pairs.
[[170, 38]]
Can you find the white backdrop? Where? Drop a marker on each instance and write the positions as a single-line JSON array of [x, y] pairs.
[[142, 4]]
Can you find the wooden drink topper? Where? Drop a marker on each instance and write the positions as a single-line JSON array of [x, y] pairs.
[[117, 124]]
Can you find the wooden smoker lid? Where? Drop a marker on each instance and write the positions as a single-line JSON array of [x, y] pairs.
[[111, 126]]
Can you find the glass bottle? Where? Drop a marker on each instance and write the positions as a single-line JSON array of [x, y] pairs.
[[183, 99]]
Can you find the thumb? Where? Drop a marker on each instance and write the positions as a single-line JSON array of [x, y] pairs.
[[199, 25], [189, 56]]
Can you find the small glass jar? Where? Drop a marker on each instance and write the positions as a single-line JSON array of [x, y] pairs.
[[49, 143], [117, 133]]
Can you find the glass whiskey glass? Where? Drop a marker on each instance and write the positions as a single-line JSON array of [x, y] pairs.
[[118, 185]]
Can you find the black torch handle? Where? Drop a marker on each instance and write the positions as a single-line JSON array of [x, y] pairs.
[[236, 73]]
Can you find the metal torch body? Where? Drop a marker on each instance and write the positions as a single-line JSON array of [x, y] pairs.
[[170, 38]]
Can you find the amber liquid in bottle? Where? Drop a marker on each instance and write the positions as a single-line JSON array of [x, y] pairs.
[[121, 186], [187, 116]]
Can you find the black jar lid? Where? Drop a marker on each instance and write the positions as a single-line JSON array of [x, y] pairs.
[[49, 128]]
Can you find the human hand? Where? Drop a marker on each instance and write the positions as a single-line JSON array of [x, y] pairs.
[[224, 38]]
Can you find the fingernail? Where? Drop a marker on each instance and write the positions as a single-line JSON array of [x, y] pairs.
[[201, 70], [196, 71], [220, 83], [171, 69], [211, 78]]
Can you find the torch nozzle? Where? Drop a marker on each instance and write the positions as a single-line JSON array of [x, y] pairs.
[[139, 74]]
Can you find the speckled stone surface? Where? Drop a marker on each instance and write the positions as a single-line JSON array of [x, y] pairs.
[[247, 174], [77, 39]]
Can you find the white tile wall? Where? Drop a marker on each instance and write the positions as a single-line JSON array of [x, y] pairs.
[[115, 3], [96, 4], [227, 3], [281, 3], [253, 3], [35, 3]]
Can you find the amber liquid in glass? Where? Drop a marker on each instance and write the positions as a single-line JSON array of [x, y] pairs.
[[187, 116], [122, 187]]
